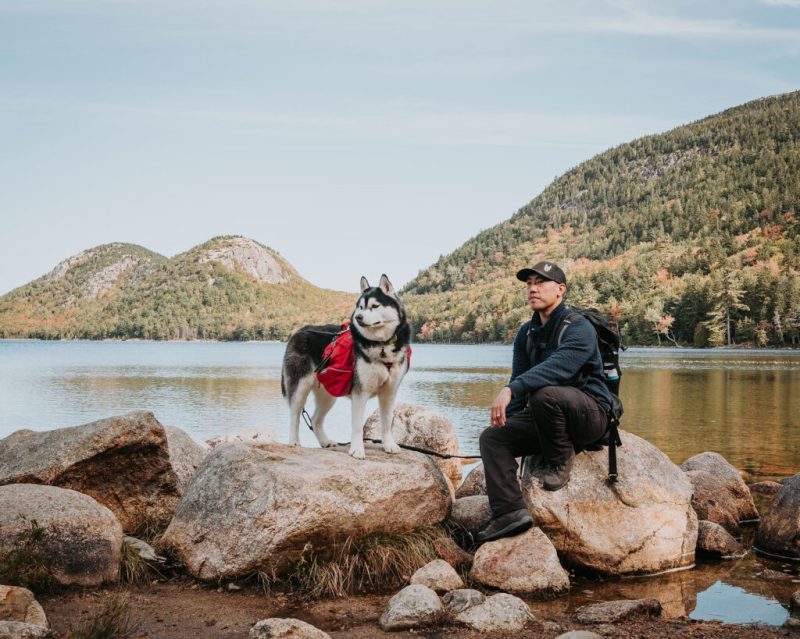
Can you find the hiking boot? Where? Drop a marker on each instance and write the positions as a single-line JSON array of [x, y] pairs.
[[557, 475], [507, 525]]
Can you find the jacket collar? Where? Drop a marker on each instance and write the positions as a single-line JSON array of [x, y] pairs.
[[554, 316]]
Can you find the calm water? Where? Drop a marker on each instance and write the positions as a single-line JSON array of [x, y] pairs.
[[743, 404]]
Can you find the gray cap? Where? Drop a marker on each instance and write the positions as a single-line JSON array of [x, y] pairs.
[[547, 270]]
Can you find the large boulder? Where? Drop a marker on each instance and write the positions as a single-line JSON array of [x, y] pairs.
[[525, 563], [644, 523], [779, 528], [19, 604], [77, 540], [423, 428], [252, 508], [131, 464], [719, 492]]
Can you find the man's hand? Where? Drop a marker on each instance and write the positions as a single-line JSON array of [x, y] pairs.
[[497, 415]]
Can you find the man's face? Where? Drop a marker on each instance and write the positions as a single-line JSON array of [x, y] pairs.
[[544, 294]]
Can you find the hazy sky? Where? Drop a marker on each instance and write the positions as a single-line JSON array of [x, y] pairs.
[[353, 137]]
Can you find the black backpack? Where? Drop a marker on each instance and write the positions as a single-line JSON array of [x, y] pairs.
[[610, 344]]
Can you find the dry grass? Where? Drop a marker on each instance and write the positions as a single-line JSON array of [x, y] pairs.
[[368, 564], [112, 622], [24, 563], [133, 569]]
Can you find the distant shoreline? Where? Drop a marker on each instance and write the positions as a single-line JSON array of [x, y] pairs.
[[735, 347]]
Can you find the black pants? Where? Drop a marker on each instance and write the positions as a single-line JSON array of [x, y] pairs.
[[557, 421]]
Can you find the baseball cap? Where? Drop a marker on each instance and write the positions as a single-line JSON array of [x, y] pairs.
[[545, 269]]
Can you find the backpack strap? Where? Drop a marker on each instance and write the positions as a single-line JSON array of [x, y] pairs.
[[565, 324]]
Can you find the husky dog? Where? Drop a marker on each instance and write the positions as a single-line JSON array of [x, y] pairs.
[[381, 336]]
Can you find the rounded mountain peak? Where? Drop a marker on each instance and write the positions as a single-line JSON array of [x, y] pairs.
[[235, 252]]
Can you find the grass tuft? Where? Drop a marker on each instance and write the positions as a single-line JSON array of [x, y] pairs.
[[368, 564], [113, 621], [24, 563], [133, 569]]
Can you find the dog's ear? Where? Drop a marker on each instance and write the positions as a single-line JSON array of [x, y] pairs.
[[364, 284], [386, 286]]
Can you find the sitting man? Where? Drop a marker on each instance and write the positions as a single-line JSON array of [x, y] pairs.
[[556, 401]]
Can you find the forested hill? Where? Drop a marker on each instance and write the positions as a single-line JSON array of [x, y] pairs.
[[688, 236], [227, 288]]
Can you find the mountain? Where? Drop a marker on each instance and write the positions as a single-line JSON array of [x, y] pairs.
[[227, 288], [686, 237]]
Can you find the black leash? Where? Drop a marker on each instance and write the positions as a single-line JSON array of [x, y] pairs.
[[307, 419]]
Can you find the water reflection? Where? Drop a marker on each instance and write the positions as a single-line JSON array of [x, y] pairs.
[[740, 403]]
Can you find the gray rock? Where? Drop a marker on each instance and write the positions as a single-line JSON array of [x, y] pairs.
[[131, 464], [777, 530], [457, 601], [276, 628], [80, 539], [262, 507], [713, 539], [19, 604], [20, 630], [642, 524], [439, 576], [614, 611], [474, 483], [499, 612], [579, 634], [413, 606], [720, 494], [421, 427], [143, 549], [525, 563], [473, 513], [794, 602]]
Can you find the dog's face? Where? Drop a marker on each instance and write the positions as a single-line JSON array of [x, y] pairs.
[[378, 312]]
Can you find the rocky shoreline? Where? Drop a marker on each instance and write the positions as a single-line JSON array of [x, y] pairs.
[[233, 516]]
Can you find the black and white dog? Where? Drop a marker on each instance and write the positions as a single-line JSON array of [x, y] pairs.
[[381, 336]]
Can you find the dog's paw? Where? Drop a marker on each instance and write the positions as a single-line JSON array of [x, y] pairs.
[[326, 443], [294, 442], [391, 447], [357, 452]]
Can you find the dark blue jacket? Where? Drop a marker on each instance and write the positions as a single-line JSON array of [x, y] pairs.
[[575, 362]]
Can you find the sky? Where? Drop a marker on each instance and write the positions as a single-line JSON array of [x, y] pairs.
[[354, 137]]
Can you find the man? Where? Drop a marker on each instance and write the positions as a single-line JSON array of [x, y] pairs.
[[555, 402]]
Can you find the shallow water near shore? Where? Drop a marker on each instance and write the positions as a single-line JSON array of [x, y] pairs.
[[742, 404]]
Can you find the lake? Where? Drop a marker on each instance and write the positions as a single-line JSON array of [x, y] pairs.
[[742, 404]]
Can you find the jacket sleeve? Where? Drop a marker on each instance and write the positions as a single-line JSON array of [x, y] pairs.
[[563, 365], [519, 364]]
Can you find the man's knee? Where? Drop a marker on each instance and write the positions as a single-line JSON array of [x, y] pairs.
[[545, 397], [487, 438]]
